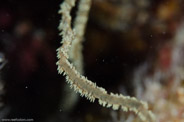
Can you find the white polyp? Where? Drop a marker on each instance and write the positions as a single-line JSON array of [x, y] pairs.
[[115, 106]]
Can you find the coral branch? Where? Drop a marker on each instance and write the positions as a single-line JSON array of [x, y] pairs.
[[80, 83], [75, 53]]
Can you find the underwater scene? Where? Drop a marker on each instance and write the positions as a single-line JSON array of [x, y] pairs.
[[92, 61]]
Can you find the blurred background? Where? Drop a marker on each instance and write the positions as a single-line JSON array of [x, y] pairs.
[[131, 47]]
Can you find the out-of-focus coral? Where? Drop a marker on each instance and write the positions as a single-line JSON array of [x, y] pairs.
[[3, 108], [120, 14], [164, 87], [2, 63]]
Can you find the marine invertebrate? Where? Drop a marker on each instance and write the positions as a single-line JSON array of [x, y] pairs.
[[80, 83], [166, 83], [75, 54]]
